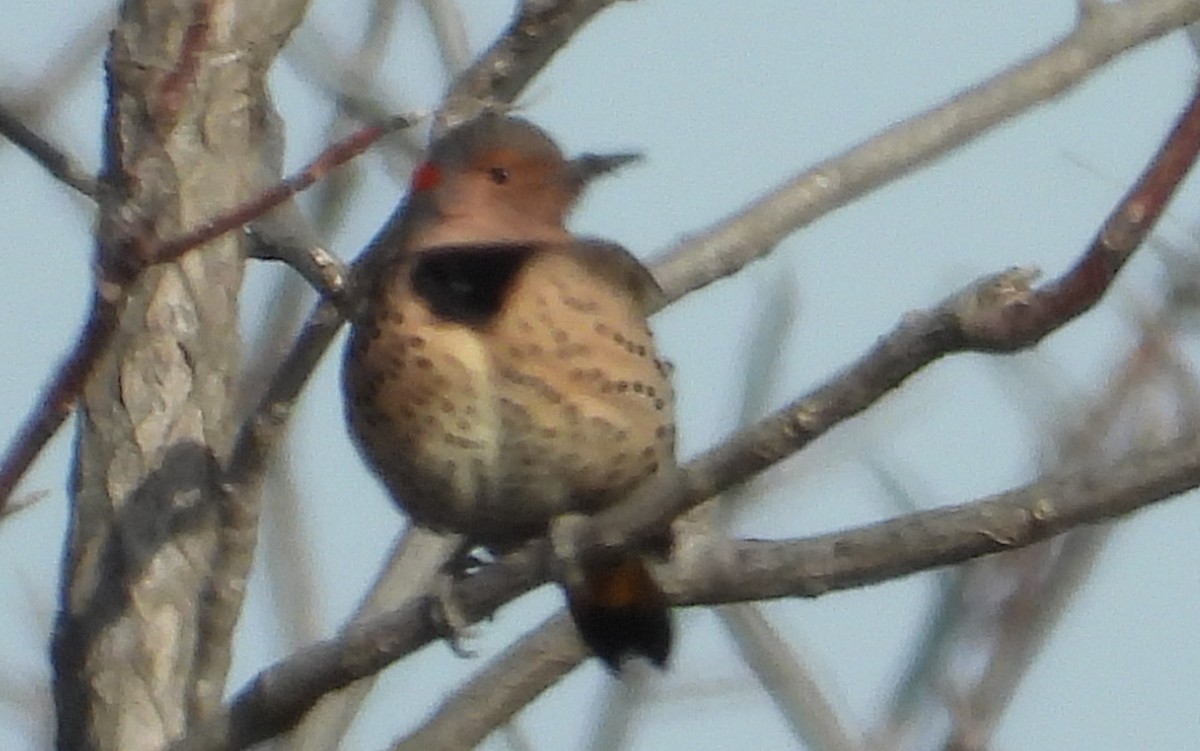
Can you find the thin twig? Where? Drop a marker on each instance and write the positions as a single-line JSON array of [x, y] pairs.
[[787, 679], [538, 31], [320, 66], [450, 32], [329, 160], [534, 663], [59, 394], [57, 163]]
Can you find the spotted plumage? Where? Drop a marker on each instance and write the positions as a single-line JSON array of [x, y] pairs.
[[502, 372], [491, 425]]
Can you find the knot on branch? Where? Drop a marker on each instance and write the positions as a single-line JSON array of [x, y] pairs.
[[1000, 313]]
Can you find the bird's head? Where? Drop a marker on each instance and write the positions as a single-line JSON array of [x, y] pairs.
[[507, 169]]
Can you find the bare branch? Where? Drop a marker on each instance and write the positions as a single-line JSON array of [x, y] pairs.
[[58, 396], [539, 30], [58, 164], [418, 557], [790, 683], [329, 160], [500, 690], [20, 503], [286, 237], [450, 31], [758, 569], [1000, 313], [119, 270], [753, 232], [356, 94], [278, 697], [737, 571]]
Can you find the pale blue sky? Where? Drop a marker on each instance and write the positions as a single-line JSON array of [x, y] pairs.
[[726, 100]]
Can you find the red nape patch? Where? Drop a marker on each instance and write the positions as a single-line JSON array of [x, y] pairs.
[[426, 177]]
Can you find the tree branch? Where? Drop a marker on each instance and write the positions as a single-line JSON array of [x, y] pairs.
[[1000, 313], [539, 30], [121, 269], [735, 571], [58, 164], [748, 235], [501, 689]]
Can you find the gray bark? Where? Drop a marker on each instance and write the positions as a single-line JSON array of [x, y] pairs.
[[154, 563]]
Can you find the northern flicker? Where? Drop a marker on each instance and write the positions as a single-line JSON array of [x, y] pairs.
[[502, 373]]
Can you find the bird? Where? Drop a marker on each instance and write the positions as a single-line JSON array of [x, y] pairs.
[[500, 372]]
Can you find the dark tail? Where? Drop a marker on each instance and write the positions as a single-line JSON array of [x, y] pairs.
[[620, 611]]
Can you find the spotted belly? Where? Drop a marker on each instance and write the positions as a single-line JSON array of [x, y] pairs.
[[490, 426]]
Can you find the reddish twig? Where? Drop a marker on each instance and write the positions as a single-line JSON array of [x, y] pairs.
[[46, 154], [59, 395], [172, 91], [1000, 313], [330, 159], [1127, 226]]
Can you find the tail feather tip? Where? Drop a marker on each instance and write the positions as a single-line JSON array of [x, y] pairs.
[[617, 634]]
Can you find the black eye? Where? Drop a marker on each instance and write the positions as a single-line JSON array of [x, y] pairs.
[[499, 175]]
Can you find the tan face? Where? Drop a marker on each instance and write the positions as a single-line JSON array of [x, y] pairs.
[[524, 188], [495, 196]]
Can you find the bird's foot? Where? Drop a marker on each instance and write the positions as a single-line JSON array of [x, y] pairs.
[[448, 616], [447, 613]]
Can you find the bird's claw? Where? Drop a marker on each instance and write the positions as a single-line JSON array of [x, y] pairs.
[[449, 619]]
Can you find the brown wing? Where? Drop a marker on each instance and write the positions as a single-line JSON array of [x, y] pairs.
[[622, 268]]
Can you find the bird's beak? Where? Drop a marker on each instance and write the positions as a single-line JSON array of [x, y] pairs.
[[587, 167]]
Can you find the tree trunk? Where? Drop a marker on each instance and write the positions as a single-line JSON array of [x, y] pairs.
[[154, 565]]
